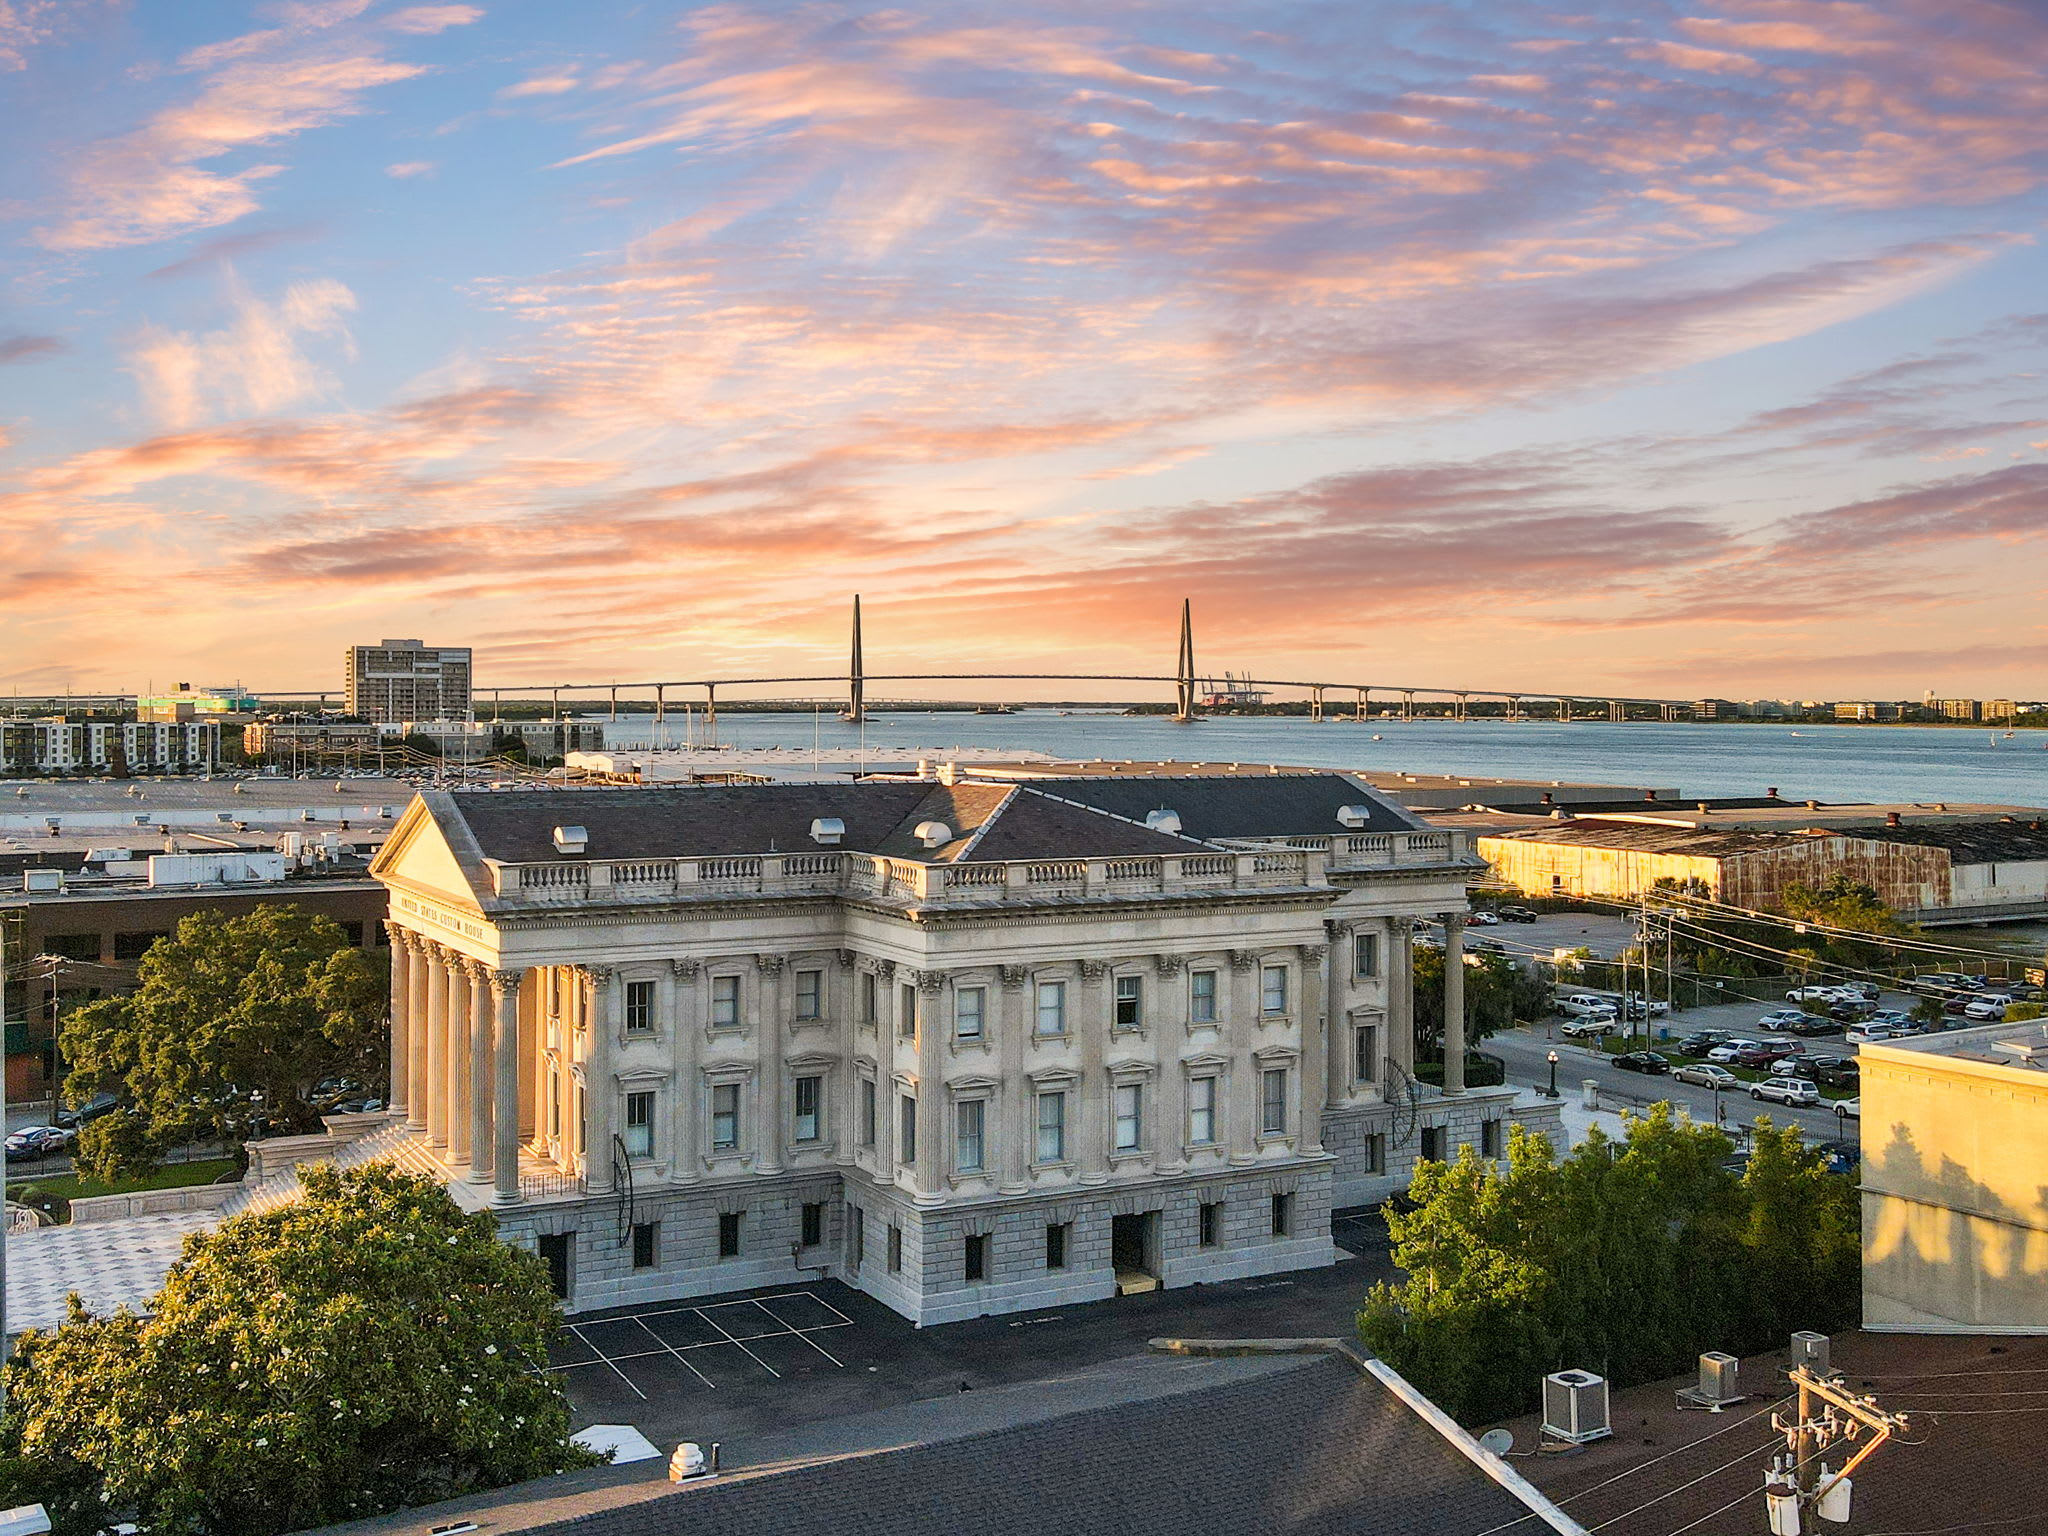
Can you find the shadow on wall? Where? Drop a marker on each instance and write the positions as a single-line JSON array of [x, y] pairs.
[[1941, 1249]]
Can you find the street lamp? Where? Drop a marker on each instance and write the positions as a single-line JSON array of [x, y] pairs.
[[1552, 1058], [1842, 1119]]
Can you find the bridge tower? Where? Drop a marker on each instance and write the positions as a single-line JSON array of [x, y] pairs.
[[1184, 671], [1359, 713], [856, 680], [1315, 703]]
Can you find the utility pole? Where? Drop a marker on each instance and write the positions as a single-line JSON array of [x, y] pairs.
[[1799, 1481]]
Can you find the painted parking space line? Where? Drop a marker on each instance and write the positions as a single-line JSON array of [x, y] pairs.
[[678, 1354], [607, 1359]]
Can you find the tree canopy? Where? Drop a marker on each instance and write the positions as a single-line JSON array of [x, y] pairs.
[[1628, 1257], [366, 1347], [1497, 992], [233, 1023]]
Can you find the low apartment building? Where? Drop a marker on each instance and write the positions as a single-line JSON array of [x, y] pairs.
[[971, 1046], [105, 746]]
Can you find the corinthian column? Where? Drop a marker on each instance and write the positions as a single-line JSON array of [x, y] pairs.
[[1454, 1002], [419, 1030], [1336, 969], [437, 1046], [1016, 1125], [933, 1142], [459, 1005], [397, 1094], [598, 1091], [1094, 1025], [482, 1152], [1240, 1030], [505, 1087], [1317, 1029]]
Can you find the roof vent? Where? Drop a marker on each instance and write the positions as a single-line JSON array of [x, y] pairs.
[[1354, 815], [933, 834], [571, 839], [1813, 805], [1163, 820], [827, 831], [1771, 793], [1891, 818]]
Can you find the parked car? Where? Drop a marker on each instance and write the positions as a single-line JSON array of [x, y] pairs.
[[1764, 1052], [1867, 990], [1826, 1024], [33, 1142], [1985, 1011], [1657, 1006], [1589, 1027], [1783, 1018], [1955, 1007], [1893, 1016], [2023, 991], [1829, 1071], [1851, 1010], [1938, 983], [1481, 918], [99, 1104], [1872, 1034], [1725, 1052], [1853, 1108], [1515, 914], [1815, 994], [1643, 1061], [1581, 1005], [1705, 1074], [1701, 1041], [1785, 1090]]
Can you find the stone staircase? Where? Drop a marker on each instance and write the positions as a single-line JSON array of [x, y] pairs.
[[394, 1143]]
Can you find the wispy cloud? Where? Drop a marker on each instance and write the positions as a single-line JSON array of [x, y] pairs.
[[255, 364]]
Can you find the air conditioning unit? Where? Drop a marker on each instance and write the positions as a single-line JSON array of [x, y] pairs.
[[1811, 1351], [1720, 1382], [1575, 1407]]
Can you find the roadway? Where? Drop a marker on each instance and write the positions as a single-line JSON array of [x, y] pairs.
[[1526, 1052]]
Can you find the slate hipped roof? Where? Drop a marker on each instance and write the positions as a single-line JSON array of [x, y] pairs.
[[1248, 806], [989, 821]]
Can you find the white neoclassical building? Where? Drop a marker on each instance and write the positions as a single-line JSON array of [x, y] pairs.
[[971, 1046]]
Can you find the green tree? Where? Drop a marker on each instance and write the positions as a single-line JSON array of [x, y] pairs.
[[233, 1022], [1627, 1257], [1497, 992], [367, 1347]]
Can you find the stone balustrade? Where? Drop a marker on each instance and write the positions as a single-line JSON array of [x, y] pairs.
[[847, 873]]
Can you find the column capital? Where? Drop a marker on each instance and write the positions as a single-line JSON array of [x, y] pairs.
[[1314, 953], [599, 976], [1453, 919], [847, 959], [1014, 976], [505, 982], [930, 981], [886, 969], [1094, 970], [416, 942], [1243, 959], [1338, 928], [769, 965], [1169, 965], [684, 970]]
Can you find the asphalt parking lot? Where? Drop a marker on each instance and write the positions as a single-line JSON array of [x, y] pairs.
[[729, 1367]]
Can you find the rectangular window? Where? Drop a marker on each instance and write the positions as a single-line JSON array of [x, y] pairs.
[[968, 1119], [1283, 1215], [809, 1094], [640, 1124], [810, 994], [867, 1112], [133, 946], [555, 1107], [72, 946], [1052, 1008], [725, 1117], [1365, 1054], [639, 1007], [1202, 997], [1130, 1001], [1056, 1245], [1433, 1143], [860, 1236], [895, 1248], [728, 1234], [1202, 1111], [1273, 1101], [646, 1243], [725, 1002], [1273, 989], [1052, 1127], [1212, 1223], [1489, 1138], [970, 1009], [812, 1231], [1365, 955], [906, 1135], [1376, 1153], [974, 1258], [870, 999], [906, 1011], [1129, 1127]]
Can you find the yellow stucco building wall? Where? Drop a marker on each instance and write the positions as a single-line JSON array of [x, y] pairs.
[[1955, 1184]]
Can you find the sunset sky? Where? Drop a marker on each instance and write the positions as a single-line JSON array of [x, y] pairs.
[[1688, 349]]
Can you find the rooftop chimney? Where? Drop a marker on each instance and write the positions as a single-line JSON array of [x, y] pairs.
[[1813, 805], [1771, 793], [1891, 818]]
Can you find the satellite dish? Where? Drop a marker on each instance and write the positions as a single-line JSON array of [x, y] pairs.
[[1498, 1441]]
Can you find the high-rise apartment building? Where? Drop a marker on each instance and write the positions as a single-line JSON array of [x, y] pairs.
[[405, 680]]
